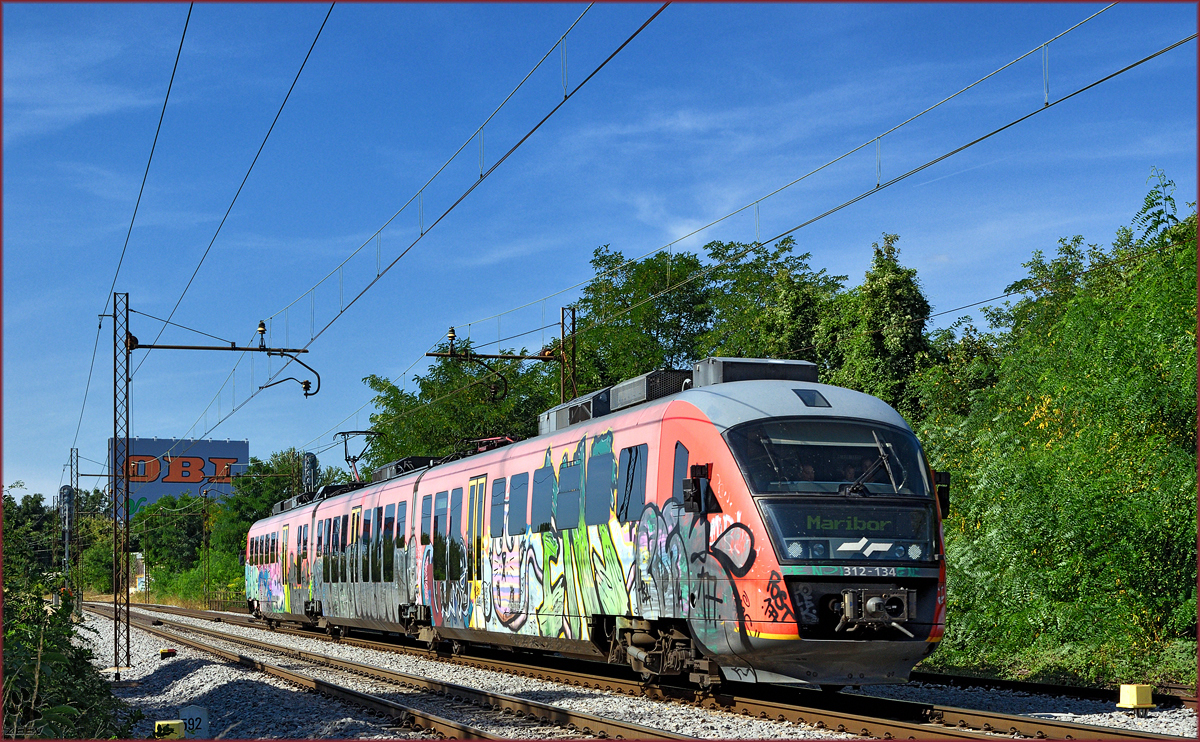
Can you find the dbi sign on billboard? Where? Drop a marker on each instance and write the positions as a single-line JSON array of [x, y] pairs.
[[166, 466]]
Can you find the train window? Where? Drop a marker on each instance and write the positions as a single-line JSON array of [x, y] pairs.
[[566, 509], [456, 556], [497, 526], [304, 542], [631, 483], [261, 551], [335, 546], [320, 538], [275, 546], [364, 547], [828, 456], [426, 510], [441, 503], [518, 493], [374, 548], [389, 541], [254, 550], [401, 522], [598, 492], [681, 471], [543, 497], [345, 531]]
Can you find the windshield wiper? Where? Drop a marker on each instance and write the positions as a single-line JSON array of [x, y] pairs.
[[858, 486]]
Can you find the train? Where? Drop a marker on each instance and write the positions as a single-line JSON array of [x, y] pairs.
[[737, 521]]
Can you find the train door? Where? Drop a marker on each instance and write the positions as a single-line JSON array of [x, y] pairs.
[[475, 504], [352, 561], [402, 551], [284, 577]]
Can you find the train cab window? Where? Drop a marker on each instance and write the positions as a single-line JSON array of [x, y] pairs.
[[543, 494], [598, 492], [456, 555], [631, 483], [566, 510], [828, 456], [401, 524], [681, 471], [389, 542], [441, 503], [518, 494], [496, 529]]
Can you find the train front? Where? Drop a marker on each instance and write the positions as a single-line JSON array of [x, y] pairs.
[[856, 590]]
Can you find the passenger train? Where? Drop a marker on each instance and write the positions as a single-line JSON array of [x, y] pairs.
[[738, 521]]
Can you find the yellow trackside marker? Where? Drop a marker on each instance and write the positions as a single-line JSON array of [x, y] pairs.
[[1137, 697], [171, 729]]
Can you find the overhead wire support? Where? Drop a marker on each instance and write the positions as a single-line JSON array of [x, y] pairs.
[[452, 206], [245, 178]]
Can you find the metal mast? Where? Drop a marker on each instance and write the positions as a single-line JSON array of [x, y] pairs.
[[120, 482]]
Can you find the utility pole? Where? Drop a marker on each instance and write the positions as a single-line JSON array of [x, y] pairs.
[[73, 536], [566, 372], [120, 481], [125, 343]]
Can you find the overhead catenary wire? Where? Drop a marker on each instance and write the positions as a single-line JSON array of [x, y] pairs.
[[709, 269], [814, 171], [238, 405], [120, 261], [478, 132], [753, 204], [182, 327], [245, 178]]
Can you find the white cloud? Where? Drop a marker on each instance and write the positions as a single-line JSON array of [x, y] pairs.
[[52, 85]]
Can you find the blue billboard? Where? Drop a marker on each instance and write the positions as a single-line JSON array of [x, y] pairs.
[[171, 466]]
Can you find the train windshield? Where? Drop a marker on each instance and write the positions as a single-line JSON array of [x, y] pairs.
[[828, 456]]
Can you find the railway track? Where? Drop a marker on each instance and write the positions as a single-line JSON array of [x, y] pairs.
[[865, 716], [528, 715], [1164, 695]]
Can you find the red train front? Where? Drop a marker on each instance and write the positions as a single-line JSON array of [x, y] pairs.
[[741, 521]]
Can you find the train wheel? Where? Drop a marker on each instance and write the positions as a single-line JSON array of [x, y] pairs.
[[456, 648]]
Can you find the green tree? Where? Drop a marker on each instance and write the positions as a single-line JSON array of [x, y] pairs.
[[1070, 434], [256, 491], [637, 317], [170, 531], [457, 401], [872, 337]]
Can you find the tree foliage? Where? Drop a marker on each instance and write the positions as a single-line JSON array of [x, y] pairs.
[[51, 688], [1069, 430]]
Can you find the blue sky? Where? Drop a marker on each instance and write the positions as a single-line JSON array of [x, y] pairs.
[[710, 108]]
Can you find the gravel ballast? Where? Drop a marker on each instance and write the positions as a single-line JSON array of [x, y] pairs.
[[673, 717], [1177, 721], [328, 718], [242, 703]]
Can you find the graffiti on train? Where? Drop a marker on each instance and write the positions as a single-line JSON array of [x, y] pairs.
[[544, 581]]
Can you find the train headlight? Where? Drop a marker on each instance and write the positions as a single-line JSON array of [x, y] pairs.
[[796, 550], [897, 551], [818, 550]]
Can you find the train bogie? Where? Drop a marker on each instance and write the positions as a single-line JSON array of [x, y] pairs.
[[768, 529]]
